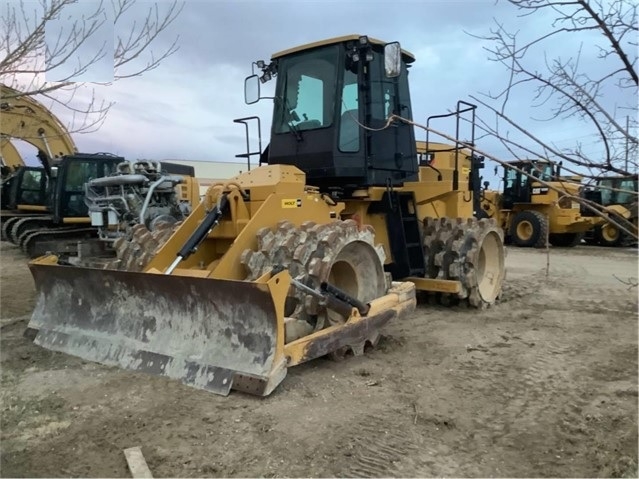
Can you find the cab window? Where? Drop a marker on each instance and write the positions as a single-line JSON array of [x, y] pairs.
[[306, 96], [349, 130]]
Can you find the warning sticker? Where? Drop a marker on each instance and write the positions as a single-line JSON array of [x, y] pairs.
[[292, 203], [540, 190]]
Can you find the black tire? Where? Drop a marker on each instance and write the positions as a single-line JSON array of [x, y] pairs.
[[537, 224], [565, 240], [589, 237]]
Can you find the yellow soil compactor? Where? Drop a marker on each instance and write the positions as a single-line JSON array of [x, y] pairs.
[[310, 254]]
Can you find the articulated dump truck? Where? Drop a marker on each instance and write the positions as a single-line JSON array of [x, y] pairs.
[[310, 254]]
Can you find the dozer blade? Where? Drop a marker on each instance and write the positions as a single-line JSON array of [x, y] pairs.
[[210, 334]]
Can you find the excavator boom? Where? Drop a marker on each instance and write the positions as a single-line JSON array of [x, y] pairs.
[[23, 117]]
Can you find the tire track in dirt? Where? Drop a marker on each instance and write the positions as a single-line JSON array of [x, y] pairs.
[[377, 450], [521, 287], [558, 296], [532, 400], [544, 407], [401, 443], [518, 386]]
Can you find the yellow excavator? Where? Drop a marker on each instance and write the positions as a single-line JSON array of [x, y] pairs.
[[530, 211], [44, 208], [24, 118], [24, 187], [310, 254], [10, 159]]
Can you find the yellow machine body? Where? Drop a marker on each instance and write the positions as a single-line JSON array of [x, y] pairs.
[[541, 210], [563, 214], [24, 118], [610, 234], [185, 326], [311, 255], [618, 196], [9, 156], [237, 326]]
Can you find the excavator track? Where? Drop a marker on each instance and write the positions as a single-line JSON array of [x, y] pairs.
[[32, 244], [339, 253], [7, 224], [467, 250], [26, 224]]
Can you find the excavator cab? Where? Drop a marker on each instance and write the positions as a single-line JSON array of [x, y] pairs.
[[50, 201], [323, 96], [69, 176], [25, 187]]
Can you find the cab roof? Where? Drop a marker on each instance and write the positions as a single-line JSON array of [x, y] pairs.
[[530, 161], [408, 57]]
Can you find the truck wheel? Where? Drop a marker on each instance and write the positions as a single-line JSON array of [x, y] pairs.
[[608, 235], [566, 240], [529, 228]]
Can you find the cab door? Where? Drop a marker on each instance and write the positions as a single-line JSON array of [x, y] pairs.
[[516, 187]]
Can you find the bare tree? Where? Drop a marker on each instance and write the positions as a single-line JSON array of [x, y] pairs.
[[597, 84], [29, 56]]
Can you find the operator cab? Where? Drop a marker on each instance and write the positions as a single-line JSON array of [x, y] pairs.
[[69, 175], [519, 188], [618, 190], [332, 103], [25, 186]]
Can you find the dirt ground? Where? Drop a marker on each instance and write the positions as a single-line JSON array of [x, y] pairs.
[[542, 384]]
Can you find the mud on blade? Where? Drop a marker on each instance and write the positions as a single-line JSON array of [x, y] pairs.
[[211, 334]]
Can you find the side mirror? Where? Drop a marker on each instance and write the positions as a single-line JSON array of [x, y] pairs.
[[392, 59], [251, 89], [486, 185], [54, 172]]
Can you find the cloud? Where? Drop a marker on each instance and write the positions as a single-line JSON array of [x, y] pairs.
[[185, 107]]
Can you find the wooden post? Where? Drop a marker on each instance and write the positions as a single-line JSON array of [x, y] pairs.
[[137, 464], [548, 245]]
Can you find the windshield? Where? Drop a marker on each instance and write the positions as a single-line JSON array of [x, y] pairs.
[[543, 171], [306, 91], [612, 197]]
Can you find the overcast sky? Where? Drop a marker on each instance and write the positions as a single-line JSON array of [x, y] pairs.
[[184, 109]]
